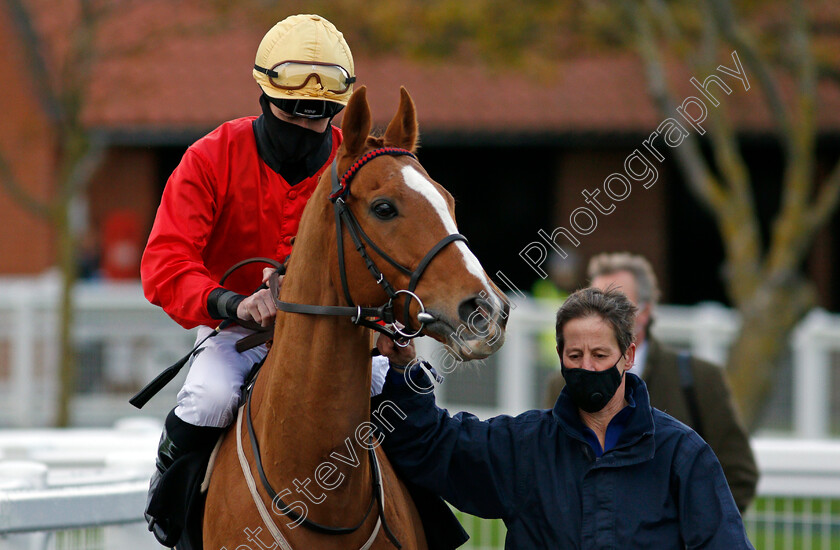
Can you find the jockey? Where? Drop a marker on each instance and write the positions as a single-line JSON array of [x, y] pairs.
[[239, 193]]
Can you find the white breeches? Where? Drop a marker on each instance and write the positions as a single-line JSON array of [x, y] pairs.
[[211, 392]]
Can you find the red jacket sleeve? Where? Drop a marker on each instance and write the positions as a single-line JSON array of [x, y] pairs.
[[172, 270]]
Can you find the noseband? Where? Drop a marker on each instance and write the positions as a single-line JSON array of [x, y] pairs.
[[344, 218]]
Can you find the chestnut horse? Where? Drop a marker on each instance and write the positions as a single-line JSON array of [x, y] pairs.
[[310, 405]]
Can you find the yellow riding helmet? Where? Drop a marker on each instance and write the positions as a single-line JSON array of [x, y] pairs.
[[305, 57]]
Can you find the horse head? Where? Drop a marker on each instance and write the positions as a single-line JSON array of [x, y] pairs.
[[408, 221]]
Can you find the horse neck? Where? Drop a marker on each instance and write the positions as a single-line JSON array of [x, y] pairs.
[[314, 391]]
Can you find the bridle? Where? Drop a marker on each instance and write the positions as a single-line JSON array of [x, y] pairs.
[[344, 218], [359, 315]]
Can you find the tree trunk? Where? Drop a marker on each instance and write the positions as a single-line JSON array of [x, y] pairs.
[[67, 349], [767, 322]]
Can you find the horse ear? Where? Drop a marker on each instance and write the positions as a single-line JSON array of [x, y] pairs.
[[402, 131], [356, 125]]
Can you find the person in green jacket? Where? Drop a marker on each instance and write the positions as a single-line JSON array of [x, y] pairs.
[[692, 390]]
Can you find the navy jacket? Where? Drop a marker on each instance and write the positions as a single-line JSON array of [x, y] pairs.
[[660, 487]]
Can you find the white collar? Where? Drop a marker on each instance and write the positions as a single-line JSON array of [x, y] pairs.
[[638, 367]]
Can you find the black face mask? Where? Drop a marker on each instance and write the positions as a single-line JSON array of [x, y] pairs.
[[592, 390], [290, 142]]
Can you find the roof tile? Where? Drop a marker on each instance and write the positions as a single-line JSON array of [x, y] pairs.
[[170, 65]]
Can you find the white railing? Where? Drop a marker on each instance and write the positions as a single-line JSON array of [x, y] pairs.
[[85, 489], [95, 478], [77, 489], [124, 342]]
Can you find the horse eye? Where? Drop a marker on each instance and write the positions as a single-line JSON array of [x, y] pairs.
[[384, 210]]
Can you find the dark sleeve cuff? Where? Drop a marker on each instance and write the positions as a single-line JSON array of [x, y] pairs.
[[222, 303]]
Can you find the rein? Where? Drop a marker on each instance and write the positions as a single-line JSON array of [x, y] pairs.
[[377, 497]]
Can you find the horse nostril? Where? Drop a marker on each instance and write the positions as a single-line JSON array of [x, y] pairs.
[[476, 312]]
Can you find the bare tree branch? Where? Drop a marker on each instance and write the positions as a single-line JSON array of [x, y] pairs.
[[700, 180], [663, 14], [83, 169], [32, 48], [723, 141], [721, 10], [827, 200], [729, 198], [793, 232], [18, 193], [805, 103], [739, 221], [722, 135]]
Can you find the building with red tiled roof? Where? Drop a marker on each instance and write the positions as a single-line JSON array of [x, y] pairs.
[[516, 149]]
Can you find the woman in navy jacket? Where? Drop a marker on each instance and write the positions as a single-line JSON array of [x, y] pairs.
[[601, 470]]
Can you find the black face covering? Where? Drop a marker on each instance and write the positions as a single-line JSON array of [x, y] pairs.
[[592, 390], [290, 150]]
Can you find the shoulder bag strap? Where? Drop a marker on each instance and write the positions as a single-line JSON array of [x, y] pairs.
[[687, 385]]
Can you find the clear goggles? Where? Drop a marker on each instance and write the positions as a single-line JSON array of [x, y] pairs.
[[295, 75]]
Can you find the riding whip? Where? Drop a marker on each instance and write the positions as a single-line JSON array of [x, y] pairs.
[[152, 388]]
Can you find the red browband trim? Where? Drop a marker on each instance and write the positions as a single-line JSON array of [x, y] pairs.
[[344, 182]]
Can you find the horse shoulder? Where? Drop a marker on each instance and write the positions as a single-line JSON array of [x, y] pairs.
[[226, 491]]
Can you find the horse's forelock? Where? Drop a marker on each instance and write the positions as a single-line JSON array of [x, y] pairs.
[[375, 142]]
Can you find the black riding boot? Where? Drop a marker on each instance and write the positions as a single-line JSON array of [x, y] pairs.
[[178, 440]]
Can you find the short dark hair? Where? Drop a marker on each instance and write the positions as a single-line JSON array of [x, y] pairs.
[[611, 305]]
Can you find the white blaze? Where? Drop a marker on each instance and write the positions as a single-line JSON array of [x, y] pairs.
[[418, 182]]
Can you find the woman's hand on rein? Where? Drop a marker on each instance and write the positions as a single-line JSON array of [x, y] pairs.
[[397, 355]]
